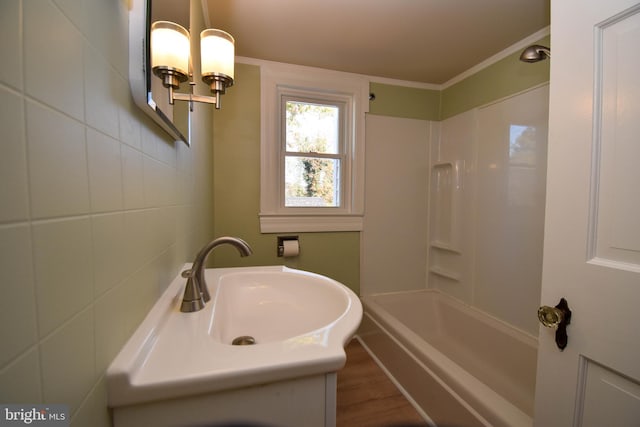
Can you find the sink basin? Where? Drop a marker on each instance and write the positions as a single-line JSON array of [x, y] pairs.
[[300, 322], [272, 306]]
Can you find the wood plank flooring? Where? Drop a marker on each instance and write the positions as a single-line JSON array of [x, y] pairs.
[[368, 398]]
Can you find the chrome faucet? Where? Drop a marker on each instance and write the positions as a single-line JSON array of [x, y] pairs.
[[196, 293]]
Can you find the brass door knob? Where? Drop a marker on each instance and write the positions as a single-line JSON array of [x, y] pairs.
[[551, 317], [558, 318]]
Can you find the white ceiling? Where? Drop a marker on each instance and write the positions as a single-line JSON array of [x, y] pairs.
[[428, 41]]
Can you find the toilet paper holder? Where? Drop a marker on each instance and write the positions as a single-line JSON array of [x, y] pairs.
[[281, 240]]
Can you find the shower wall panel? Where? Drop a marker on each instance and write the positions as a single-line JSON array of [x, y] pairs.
[[497, 264], [451, 206], [394, 239], [512, 167]]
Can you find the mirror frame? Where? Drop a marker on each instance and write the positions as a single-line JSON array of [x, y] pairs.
[[140, 73]]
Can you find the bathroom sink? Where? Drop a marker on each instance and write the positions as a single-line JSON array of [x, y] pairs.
[[299, 322], [271, 306]]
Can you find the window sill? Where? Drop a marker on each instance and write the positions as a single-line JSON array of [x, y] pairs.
[[270, 223]]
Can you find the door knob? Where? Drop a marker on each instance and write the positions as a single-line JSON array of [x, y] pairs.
[[558, 318], [551, 317]]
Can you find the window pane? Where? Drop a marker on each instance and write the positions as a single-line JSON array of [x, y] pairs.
[[311, 182], [312, 128]]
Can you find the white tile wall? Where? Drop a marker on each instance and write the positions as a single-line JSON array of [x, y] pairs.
[[53, 58], [105, 172], [127, 121], [20, 381], [132, 182], [92, 227], [57, 155], [63, 270], [110, 264], [10, 43], [114, 311], [95, 403], [101, 96], [17, 305], [13, 163], [67, 357]]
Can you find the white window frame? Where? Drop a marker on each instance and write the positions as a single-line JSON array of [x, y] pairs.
[[283, 80]]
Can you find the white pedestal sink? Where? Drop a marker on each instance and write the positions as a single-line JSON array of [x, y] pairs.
[[181, 369]]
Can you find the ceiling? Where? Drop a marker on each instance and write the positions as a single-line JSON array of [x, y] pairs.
[[429, 41]]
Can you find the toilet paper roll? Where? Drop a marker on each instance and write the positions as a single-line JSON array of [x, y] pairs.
[[291, 248]]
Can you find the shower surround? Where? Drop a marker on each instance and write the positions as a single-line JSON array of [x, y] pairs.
[[474, 232]]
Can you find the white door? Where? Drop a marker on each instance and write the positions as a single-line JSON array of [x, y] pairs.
[[592, 229]]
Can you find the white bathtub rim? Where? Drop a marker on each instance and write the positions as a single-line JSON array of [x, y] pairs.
[[513, 331], [469, 391], [486, 319]]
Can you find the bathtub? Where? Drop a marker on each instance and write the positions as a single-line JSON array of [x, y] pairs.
[[458, 365]]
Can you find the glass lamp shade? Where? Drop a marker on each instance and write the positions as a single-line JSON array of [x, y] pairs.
[[217, 53], [169, 47]]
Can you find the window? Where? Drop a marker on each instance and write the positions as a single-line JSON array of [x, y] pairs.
[[313, 152], [312, 159]]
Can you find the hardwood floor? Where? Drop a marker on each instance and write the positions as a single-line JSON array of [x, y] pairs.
[[368, 398]]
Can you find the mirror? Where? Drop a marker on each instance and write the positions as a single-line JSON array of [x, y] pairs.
[[147, 89]]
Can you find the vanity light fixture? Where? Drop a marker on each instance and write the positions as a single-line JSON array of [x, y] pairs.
[[170, 47]]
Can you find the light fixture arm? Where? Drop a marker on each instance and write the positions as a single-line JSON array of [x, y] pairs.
[[191, 98], [218, 84]]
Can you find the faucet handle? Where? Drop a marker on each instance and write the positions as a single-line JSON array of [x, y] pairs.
[[187, 273]]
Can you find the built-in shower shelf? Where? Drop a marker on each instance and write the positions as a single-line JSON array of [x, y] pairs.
[[447, 274], [444, 246], [446, 198]]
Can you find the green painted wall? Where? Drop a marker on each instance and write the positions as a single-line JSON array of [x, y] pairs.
[[407, 102], [503, 78], [506, 77], [236, 132]]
